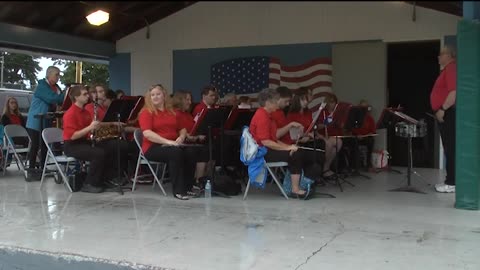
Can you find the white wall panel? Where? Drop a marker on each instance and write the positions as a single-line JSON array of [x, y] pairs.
[[232, 24]]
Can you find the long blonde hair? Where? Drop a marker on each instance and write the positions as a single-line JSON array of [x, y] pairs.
[[6, 109], [179, 99], [149, 104]]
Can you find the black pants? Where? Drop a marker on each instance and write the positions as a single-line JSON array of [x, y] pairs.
[[447, 133], [37, 142], [181, 164], [102, 158], [300, 160]]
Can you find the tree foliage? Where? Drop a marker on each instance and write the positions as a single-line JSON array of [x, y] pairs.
[[91, 73], [19, 68]]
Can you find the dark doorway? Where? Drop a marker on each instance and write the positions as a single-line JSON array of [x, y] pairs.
[[411, 72]]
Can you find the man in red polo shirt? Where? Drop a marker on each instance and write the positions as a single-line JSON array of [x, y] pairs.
[[368, 127], [279, 117], [77, 126], [442, 100], [209, 97]]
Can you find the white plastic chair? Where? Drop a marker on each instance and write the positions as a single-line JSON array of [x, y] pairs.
[[50, 136], [270, 166], [138, 137], [10, 132]]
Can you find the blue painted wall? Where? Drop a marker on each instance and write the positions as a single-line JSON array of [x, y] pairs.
[[191, 68], [120, 72]]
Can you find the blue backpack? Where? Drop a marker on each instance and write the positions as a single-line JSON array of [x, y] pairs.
[[306, 184]]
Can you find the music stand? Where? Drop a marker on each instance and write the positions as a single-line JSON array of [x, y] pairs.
[[356, 117], [408, 187], [119, 106], [208, 120], [340, 116], [119, 111], [387, 120]]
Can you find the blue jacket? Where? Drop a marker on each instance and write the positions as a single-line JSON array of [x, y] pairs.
[[41, 101], [257, 172]]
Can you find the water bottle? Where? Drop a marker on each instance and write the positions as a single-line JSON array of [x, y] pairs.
[[208, 190]]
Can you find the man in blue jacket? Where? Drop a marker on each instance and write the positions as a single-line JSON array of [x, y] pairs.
[[47, 95]]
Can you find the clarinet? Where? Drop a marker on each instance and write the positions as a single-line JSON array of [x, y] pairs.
[[95, 109]]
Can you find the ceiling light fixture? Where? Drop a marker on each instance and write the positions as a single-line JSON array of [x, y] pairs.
[[98, 17]]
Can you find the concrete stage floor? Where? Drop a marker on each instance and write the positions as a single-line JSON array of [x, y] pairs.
[[365, 227]]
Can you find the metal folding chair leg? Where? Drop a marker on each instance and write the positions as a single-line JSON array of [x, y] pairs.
[[278, 183]]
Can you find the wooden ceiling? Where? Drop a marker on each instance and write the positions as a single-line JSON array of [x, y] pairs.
[[125, 17], [69, 16]]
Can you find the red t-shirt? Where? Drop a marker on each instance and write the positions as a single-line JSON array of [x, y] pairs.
[[163, 123], [199, 108], [101, 111], [186, 120], [15, 120], [332, 131], [75, 119], [280, 119], [445, 83], [304, 118], [262, 126], [368, 127]]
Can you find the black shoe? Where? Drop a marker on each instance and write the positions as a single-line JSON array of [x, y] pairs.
[[91, 189]]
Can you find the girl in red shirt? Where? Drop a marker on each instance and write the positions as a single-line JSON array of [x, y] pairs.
[[164, 141], [327, 132], [264, 131], [12, 116], [182, 103]]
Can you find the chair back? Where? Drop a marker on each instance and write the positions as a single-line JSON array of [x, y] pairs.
[[52, 135], [13, 131], [138, 137]]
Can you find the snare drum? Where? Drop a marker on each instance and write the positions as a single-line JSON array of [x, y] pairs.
[[403, 129]]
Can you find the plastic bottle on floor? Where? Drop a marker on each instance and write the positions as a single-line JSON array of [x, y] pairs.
[[208, 190]]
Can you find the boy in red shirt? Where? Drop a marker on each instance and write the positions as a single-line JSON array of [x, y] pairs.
[[77, 126]]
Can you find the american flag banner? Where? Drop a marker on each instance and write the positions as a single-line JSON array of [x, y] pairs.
[[247, 76]]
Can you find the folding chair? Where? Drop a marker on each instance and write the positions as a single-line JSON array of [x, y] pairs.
[[51, 136], [138, 136], [270, 166], [10, 132]]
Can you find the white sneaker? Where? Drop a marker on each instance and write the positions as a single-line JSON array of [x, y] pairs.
[[444, 188]]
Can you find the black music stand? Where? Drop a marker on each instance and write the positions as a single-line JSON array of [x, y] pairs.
[[340, 116], [119, 111], [408, 187], [213, 118], [387, 120], [356, 117]]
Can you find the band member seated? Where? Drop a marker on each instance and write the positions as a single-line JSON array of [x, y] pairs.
[[182, 101], [299, 112], [164, 141], [12, 116], [46, 97], [78, 124], [283, 127], [264, 131], [209, 99], [245, 102], [368, 127], [332, 143]]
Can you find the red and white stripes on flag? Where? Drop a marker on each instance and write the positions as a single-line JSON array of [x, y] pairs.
[[315, 74]]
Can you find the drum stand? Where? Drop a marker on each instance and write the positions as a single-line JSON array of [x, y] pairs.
[[409, 187]]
